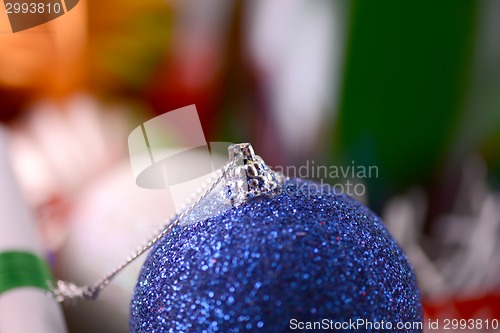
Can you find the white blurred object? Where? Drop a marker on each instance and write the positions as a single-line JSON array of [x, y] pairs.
[[198, 40], [107, 222], [18, 232], [299, 46], [404, 216], [464, 243], [60, 147], [473, 228]]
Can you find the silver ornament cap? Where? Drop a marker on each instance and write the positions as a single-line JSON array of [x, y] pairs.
[[250, 176]]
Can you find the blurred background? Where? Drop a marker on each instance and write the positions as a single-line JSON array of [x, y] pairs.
[[410, 87]]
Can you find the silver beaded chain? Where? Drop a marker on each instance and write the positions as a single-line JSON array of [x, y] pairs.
[[64, 291], [246, 175]]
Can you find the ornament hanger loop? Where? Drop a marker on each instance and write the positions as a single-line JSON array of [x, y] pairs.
[[251, 176]]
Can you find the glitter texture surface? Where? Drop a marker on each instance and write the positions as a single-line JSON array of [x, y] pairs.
[[306, 254], [216, 203]]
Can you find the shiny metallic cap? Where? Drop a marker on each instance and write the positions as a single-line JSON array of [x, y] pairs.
[[250, 176]]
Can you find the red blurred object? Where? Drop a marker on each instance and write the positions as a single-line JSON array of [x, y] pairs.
[[467, 307], [171, 90]]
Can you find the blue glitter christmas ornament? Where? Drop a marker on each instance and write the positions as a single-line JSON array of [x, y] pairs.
[[304, 257]]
